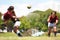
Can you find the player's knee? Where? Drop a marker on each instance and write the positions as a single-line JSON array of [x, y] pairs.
[[55, 29]]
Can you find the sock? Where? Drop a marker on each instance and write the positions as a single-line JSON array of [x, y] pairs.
[[18, 33], [49, 34], [55, 33]]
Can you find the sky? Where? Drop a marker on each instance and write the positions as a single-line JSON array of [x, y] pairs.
[[21, 6]]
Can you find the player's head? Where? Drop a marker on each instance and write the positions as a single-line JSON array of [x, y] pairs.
[[11, 8], [53, 14]]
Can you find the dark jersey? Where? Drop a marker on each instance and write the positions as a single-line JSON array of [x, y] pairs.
[[9, 15], [53, 20]]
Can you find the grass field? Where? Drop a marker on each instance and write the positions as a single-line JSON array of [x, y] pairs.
[[12, 36]]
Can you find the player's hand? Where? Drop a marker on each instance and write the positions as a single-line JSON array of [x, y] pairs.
[[14, 16]]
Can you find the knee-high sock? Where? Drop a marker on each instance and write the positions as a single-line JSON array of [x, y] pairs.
[[55, 33]]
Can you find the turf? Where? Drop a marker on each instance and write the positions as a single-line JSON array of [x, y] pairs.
[[13, 36]]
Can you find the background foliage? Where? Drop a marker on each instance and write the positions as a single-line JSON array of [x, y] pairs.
[[36, 19]]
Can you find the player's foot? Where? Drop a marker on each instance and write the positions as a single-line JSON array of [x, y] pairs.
[[19, 35]]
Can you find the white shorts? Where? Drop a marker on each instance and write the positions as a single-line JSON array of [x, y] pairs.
[[17, 23], [51, 25]]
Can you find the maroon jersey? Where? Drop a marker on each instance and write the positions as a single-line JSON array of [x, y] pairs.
[[53, 20], [8, 15]]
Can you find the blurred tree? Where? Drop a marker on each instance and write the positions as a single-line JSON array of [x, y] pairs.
[[25, 24], [39, 18]]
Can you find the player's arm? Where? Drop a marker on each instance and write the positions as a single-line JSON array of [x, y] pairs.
[[14, 15], [48, 20], [56, 20]]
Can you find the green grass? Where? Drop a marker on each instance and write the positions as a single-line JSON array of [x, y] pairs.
[[8, 35], [13, 36]]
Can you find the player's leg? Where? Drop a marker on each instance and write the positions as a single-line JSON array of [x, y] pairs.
[[5, 24], [55, 30], [16, 28], [49, 28], [49, 31]]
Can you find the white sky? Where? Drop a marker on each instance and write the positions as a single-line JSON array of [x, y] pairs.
[[21, 7]]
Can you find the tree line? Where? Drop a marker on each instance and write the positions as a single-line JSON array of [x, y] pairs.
[[36, 19]]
